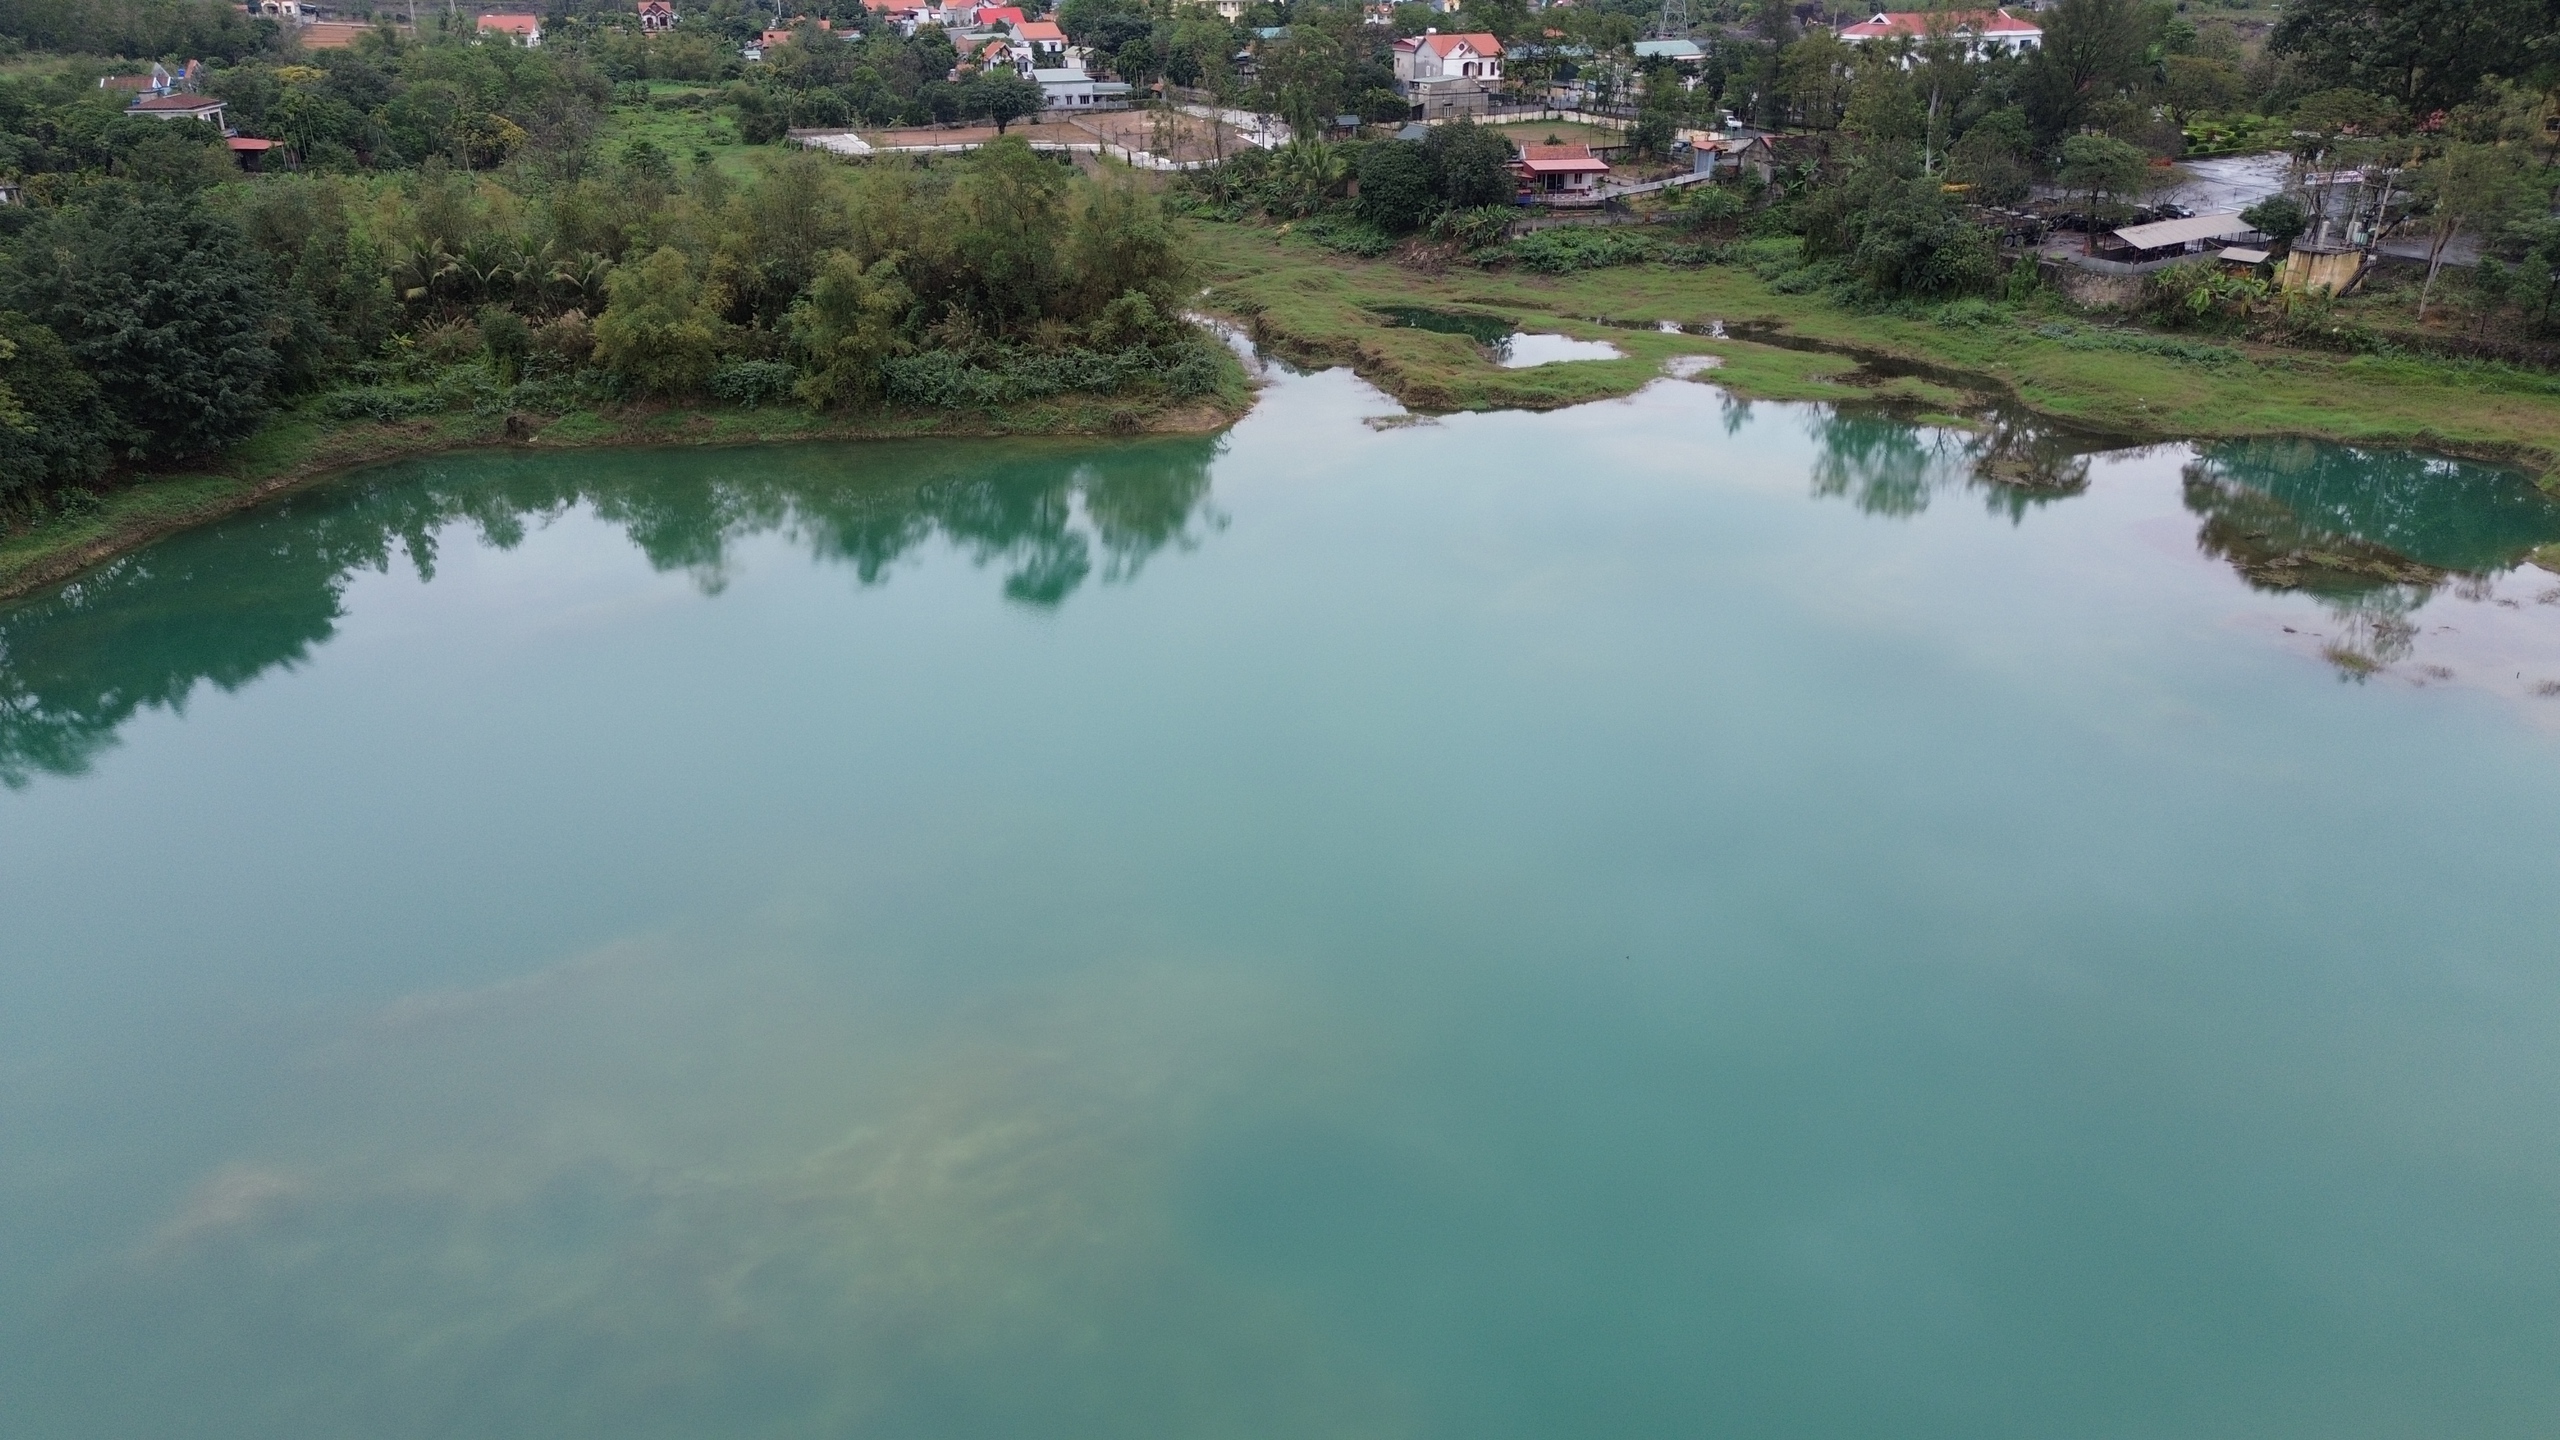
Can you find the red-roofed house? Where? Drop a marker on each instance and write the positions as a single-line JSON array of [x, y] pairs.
[[656, 16], [1431, 55], [994, 15], [987, 54], [1559, 174], [1980, 33], [1445, 75], [771, 38], [525, 30], [1042, 43]]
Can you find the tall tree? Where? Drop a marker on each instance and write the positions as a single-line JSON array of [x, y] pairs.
[[166, 306], [2471, 187], [2427, 55], [2093, 50], [2099, 165]]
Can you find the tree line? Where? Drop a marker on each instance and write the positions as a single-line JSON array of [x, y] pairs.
[[1893, 152], [457, 236]]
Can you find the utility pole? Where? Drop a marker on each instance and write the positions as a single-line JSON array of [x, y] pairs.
[[1674, 21]]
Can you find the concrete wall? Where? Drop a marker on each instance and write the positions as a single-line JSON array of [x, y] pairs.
[[2090, 289]]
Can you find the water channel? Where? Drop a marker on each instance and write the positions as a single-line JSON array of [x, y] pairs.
[[1664, 918]]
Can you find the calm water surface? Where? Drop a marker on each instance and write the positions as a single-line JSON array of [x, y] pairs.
[[1660, 919]]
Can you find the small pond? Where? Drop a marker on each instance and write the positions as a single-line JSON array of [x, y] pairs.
[[1509, 346]]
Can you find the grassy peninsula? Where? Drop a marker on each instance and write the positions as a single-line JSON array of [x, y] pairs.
[[2099, 373]]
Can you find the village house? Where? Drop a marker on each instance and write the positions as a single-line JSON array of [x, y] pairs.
[[1730, 157], [161, 81], [180, 107], [1441, 76], [1980, 34], [1432, 55], [525, 30], [1559, 175], [1074, 90], [772, 38], [1039, 45], [657, 16], [980, 54]]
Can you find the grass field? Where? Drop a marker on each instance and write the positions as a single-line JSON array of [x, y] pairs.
[[1535, 132], [683, 133], [1322, 307]]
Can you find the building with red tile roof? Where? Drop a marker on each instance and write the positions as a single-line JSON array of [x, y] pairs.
[[525, 30], [1559, 174], [1981, 33], [1431, 55]]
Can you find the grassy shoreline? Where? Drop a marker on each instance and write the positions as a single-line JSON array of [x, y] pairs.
[[297, 450], [1315, 306]]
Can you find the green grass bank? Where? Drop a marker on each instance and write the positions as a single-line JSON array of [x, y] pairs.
[[2095, 373], [298, 449]]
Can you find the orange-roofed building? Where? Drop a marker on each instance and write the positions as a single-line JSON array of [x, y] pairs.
[[1432, 55], [1979, 33], [525, 30], [1045, 43], [1560, 174], [771, 38]]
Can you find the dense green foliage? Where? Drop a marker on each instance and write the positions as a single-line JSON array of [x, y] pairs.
[[442, 226]]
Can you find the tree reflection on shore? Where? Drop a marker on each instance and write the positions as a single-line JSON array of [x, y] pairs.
[[2373, 534], [1885, 465], [227, 603]]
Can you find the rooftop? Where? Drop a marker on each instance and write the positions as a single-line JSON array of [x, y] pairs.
[[2162, 233], [1916, 24], [1560, 159], [1445, 46]]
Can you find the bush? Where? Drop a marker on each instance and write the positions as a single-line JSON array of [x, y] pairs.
[[753, 383], [1568, 248], [1346, 236], [382, 402], [946, 380], [658, 330], [1475, 229], [1470, 165], [1396, 194]]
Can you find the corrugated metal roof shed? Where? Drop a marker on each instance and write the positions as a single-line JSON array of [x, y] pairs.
[[2164, 233]]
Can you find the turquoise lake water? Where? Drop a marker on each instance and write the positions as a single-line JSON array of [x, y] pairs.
[[1665, 918]]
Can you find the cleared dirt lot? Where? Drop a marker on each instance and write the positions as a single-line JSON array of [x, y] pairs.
[[1181, 137]]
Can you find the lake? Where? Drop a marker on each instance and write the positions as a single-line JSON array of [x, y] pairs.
[[1665, 918]]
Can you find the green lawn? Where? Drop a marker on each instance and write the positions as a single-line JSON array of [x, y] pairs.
[[682, 133], [1535, 132], [1323, 307]]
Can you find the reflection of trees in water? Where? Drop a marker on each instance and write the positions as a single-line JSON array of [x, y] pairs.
[[2373, 534], [1889, 466], [229, 602], [2439, 513]]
